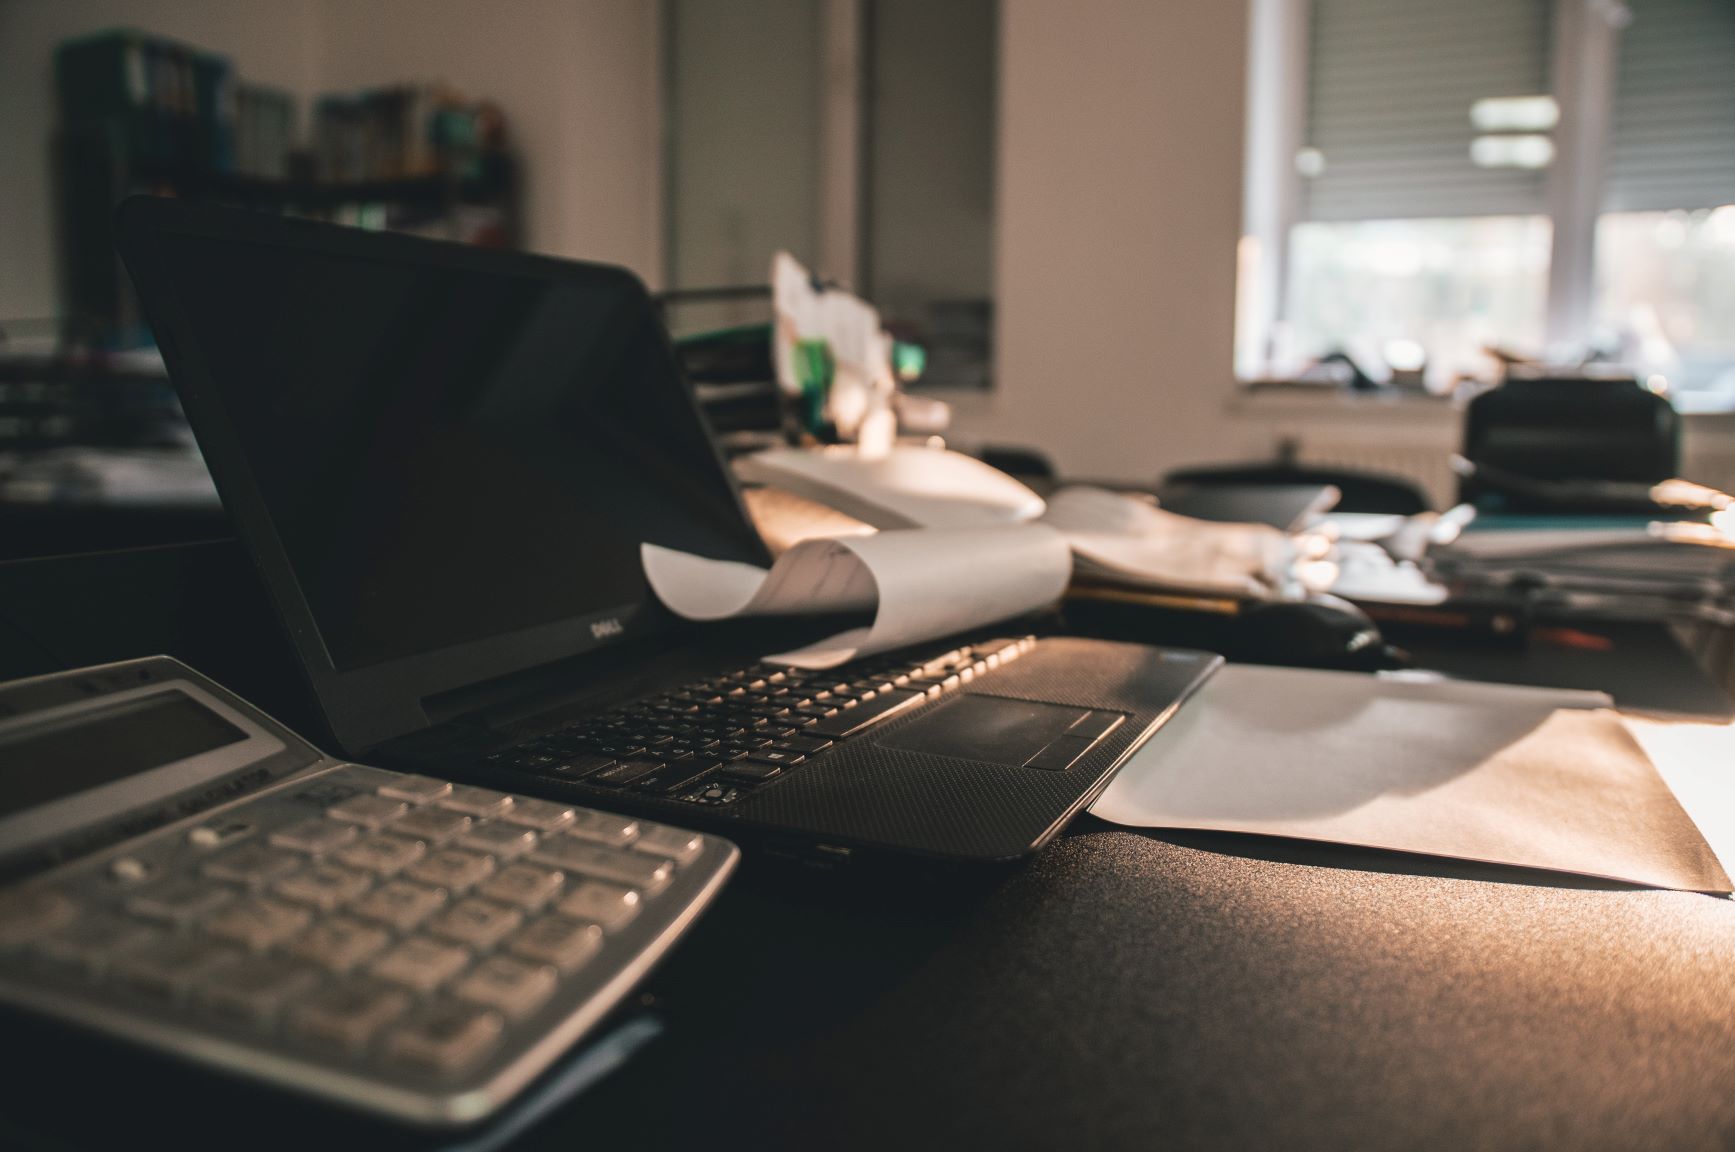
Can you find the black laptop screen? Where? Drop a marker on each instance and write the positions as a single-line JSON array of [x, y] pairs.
[[449, 455]]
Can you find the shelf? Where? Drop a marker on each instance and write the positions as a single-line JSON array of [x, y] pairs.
[[432, 190]]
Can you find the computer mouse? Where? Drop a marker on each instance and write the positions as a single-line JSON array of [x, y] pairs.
[[1321, 631]]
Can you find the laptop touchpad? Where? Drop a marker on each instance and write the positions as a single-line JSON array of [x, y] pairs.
[[991, 728]]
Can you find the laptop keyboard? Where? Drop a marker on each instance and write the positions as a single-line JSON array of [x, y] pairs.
[[714, 740]]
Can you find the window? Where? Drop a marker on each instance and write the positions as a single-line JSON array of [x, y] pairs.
[[1415, 293], [1428, 181], [1665, 243]]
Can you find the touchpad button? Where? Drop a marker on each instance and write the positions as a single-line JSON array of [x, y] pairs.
[[991, 728]]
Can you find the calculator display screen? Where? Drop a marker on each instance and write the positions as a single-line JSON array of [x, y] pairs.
[[89, 749]]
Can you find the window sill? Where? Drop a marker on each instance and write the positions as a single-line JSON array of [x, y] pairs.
[[1335, 402], [1278, 400]]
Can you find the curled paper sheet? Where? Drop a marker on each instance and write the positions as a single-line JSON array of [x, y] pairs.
[[919, 584]]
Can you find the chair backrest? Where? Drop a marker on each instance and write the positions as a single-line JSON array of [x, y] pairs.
[[1024, 463], [1566, 429], [1358, 491]]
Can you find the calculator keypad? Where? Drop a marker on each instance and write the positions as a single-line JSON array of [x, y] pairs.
[[384, 855], [407, 925]]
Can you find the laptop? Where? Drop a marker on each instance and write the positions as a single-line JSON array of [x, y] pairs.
[[444, 461]]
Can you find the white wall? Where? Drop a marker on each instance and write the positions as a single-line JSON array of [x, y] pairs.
[[270, 41], [930, 234], [577, 80], [1119, 212], [744, 137]]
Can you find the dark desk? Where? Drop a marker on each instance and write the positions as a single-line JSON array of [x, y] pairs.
[[1200, 992], [1125, 990], [1644, 666], [1119, 990]]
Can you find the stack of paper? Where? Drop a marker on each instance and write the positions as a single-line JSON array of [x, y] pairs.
[[907, 487], [1115, 537], [1636, 569], [959, 545], [1123, 540]]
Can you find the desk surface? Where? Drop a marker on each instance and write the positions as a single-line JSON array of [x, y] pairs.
[[1199, 992], [1133, 990], [1119, 990]]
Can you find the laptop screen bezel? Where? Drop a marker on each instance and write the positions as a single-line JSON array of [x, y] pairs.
[[368, 705]]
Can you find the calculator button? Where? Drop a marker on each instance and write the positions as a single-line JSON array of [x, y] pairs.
[[316, 836], [481, 924], [542, 815], [482, 803], [503, 840], [421, 963], [511, 986], [169, 968], [325, 886], [88, 945], [255, 989], [252, 864], [523, 886], [179, 903], [433, 825], [566, 944], [383, 855], [27, 914], [368, 811], [416, 789], [602, 828], [671, 843], [647, 872], [339, 944], [130, 870], [453, 869], [208, 836], [449, 1038], [257, 924], [347, 1016], [400, 904], [606, 905]]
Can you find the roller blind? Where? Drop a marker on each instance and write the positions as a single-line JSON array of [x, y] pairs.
[[1674, 108], [1390, 87]]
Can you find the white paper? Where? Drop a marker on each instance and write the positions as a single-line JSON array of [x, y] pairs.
[[1368, 526], [908, 487], [920, 584], [1130, 541], [859, 399], [1367, 573], [1537, 778], [1698, 762]]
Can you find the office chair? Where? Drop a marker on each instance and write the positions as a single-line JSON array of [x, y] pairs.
[[1556, 430], [1025, 463], [1360, 491]]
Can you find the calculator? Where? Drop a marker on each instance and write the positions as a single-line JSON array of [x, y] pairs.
[[180, 871]]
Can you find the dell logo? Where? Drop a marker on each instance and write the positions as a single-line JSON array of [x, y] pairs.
[[603, 629]]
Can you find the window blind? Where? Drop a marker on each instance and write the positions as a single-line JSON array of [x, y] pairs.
[[1673, 142], [1389, 93]]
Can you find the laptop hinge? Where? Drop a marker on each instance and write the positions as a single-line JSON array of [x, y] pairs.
[[528, 692]]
